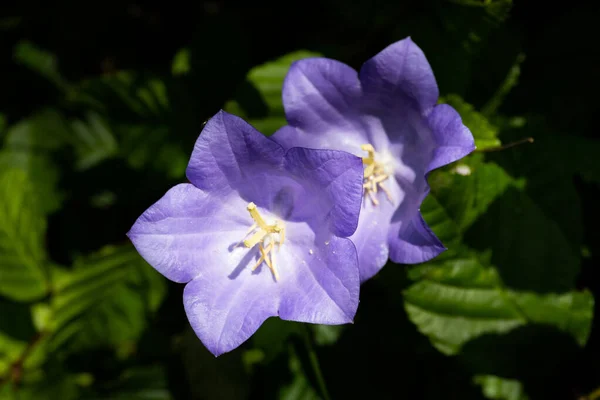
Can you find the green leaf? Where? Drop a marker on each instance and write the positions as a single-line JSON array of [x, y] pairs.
[[299, 388], [548, 166], [570, 312], [45, 130], [181, 62], [40, 61], [511, 80], [466, 294], [438, 220], [327, 334], [497, 388], [485, 134], [259, 100], [458, 300], [10, 351], [22, 230], [272, 336], [136, 123], [529, 249], [28, 146], [41, 172], [125, 96], [468, 188], [93, 140], [16, 330], [150, 147], [105, 301]]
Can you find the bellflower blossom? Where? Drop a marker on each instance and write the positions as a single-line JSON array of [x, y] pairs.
[[259, 232], [387, 114]]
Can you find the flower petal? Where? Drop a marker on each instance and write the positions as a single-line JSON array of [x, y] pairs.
[[400, 71], [188, 231], [412, 242], [371, 236], [320, 96], [230, 151], [452, 137], [225, 312], [335, 175], [324, 288]]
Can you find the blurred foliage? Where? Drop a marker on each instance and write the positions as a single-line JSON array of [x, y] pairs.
[[102, 117]]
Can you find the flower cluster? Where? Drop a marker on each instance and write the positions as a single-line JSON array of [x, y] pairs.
[[290, 226]]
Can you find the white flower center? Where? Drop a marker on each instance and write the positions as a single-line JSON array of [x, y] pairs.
[[375, 173]]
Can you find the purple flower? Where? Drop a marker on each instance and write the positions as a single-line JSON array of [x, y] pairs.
[[260, 232], [387, 114]]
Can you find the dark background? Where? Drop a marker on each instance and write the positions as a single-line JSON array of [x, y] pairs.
[[471, 48]]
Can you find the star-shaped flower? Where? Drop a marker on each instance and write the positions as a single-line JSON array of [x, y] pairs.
[[259, 232], [387, 114]]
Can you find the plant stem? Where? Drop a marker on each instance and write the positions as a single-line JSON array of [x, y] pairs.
[[314, 362], [506, 146]]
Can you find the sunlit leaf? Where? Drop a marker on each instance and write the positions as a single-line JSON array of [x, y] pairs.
[[467, 294], [22, 229], [438, 219], [485, 134], [481, 197], [457, 300], [468, 188], [496, 388]]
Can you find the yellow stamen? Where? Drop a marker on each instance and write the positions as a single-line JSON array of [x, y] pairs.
[[374, 175], [257, 237], [262, 232], [256, 216]]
